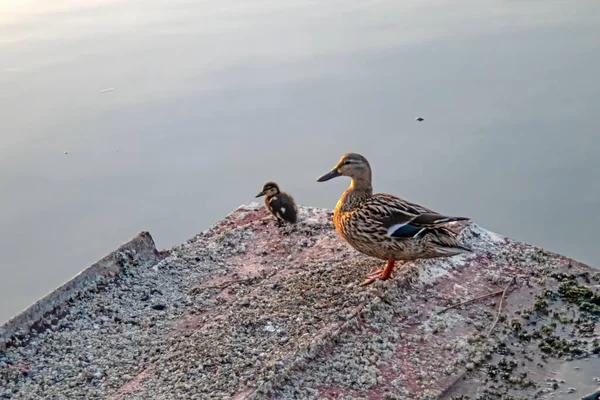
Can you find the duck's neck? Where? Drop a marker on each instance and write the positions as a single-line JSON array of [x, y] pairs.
[[360, 190]]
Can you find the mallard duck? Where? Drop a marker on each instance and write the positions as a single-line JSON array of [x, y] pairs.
[[385, 226], [280, 204]]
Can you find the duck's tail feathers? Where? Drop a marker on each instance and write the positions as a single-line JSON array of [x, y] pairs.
[[446, 220], [454, 250]]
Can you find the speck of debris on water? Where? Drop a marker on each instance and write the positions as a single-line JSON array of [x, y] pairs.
[[247, 310]]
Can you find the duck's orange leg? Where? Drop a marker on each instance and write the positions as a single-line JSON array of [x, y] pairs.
[[381, 274]]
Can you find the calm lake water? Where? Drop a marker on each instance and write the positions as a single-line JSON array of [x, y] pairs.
[[210, 99]]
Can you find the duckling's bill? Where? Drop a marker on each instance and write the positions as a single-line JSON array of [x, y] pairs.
[[260, 194], [334, 173]]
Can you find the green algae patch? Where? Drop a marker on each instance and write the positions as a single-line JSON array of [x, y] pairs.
[[557, 346], [557, 325], [572, 292]]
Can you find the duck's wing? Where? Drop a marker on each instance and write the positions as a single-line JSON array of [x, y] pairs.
[[404, 219], [386, 204], [286, 207], [402, 226]]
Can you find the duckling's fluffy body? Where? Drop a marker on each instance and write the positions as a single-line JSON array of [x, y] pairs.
[[279, 203], [385, 226]]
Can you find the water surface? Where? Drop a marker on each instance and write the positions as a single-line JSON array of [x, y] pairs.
[[211, 99]]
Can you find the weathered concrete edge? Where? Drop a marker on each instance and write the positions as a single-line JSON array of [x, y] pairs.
[[141, 247]]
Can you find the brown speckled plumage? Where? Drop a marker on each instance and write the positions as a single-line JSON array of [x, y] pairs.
[[385, 226], [280, 204]]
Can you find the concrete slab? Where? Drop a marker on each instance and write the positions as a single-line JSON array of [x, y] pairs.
[[247, 310]]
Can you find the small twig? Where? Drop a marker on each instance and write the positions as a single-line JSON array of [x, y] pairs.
[[356, 314], [224, 285], [357, 310], [221, 285], [383, 297], [462, 303], [500, 306], [178, 382]]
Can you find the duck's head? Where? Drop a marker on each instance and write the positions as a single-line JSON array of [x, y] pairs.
[[351, 164], [270, 189]]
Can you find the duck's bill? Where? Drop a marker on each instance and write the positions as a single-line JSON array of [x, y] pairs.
[[260, 194], [330, 175]]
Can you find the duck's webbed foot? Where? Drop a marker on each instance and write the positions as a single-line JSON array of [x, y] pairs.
[[380, 274]]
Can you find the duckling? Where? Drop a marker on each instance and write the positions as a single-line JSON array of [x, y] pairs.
[[385, 226], [280, 204]]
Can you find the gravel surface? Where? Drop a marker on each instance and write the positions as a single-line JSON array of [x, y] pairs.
[[247, 310]]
